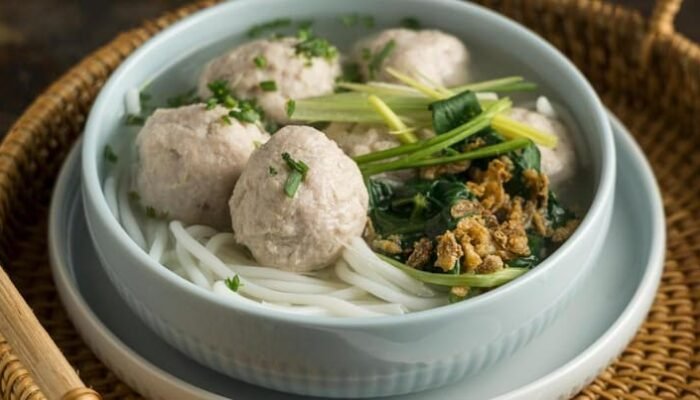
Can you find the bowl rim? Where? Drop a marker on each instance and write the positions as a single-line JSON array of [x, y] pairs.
[[93, 193]]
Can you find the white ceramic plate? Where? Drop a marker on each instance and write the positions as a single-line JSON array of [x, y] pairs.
[[595, 328]]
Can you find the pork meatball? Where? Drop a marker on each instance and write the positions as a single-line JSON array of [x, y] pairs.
[[272, 71], [441, 58], [303, 231], [189, 160], [358, 139], [558, 163]]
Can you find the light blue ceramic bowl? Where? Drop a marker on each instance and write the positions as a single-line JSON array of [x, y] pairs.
[[359, 357]]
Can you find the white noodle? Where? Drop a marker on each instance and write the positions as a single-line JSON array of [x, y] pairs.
[[132, 102], [392, 274], [200, 252], [543, 106], [383, 292], [110, 189], [297, 287], [131, 226], [351, 293], [188, 264], [160, 242], [334, 305]]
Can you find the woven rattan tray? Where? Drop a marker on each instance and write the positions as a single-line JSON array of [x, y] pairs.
[[646, 74]]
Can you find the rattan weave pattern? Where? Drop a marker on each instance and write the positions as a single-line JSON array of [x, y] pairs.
[[650, 80]]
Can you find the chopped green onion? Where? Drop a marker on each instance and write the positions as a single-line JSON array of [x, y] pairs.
[[296, 176], [377, 59], [268, 86], [497, 278], [511, 128], [291, 106], [135, 120], [110, 155], [233, 283], [410, 23], [425, 89], [260, 62], [482, 152], [392, 120], [257, 30]]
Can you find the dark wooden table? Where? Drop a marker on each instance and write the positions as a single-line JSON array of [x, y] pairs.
[[40, 39]]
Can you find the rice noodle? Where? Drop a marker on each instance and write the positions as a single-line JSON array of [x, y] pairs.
[[110, 190], [393, 275], [383, 292], [127, 218], [360, 284], [336, 306], [132, 101], [188, 264]]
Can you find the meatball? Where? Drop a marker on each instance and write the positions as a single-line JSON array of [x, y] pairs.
[[272, 60], [558, 163], [358, 139], [303, 232], [189, 159], [441, 58]]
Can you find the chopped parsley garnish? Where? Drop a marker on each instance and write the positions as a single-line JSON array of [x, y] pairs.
[[291, 106], [268, 86], [306, 24], [349, 20], [410, 23], [211, 103], [304, 33], [183, 99], [135, 120], [242, 110], [225, 119], [366, 53], [314, 46], [272, 171], [153, 213], [377, 59], [257, 30], [260, 62], [353, 20], [134, 196], [296, 176], [233, 283], [110, 155], [246, 111]]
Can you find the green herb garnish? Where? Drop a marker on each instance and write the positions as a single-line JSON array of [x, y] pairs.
[[268, 86], [233, 283], [272, 171], [110, 155], [225, 119], [257, 30], [291, 106], [298, 170], [246, 111], [368, 21], [410, 23], [151, 212], [134, 120], [316, 47], [497, 278], [366, 53], [183, 99], [260, 62], [349, 20], [377, 59], [134, 196]]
